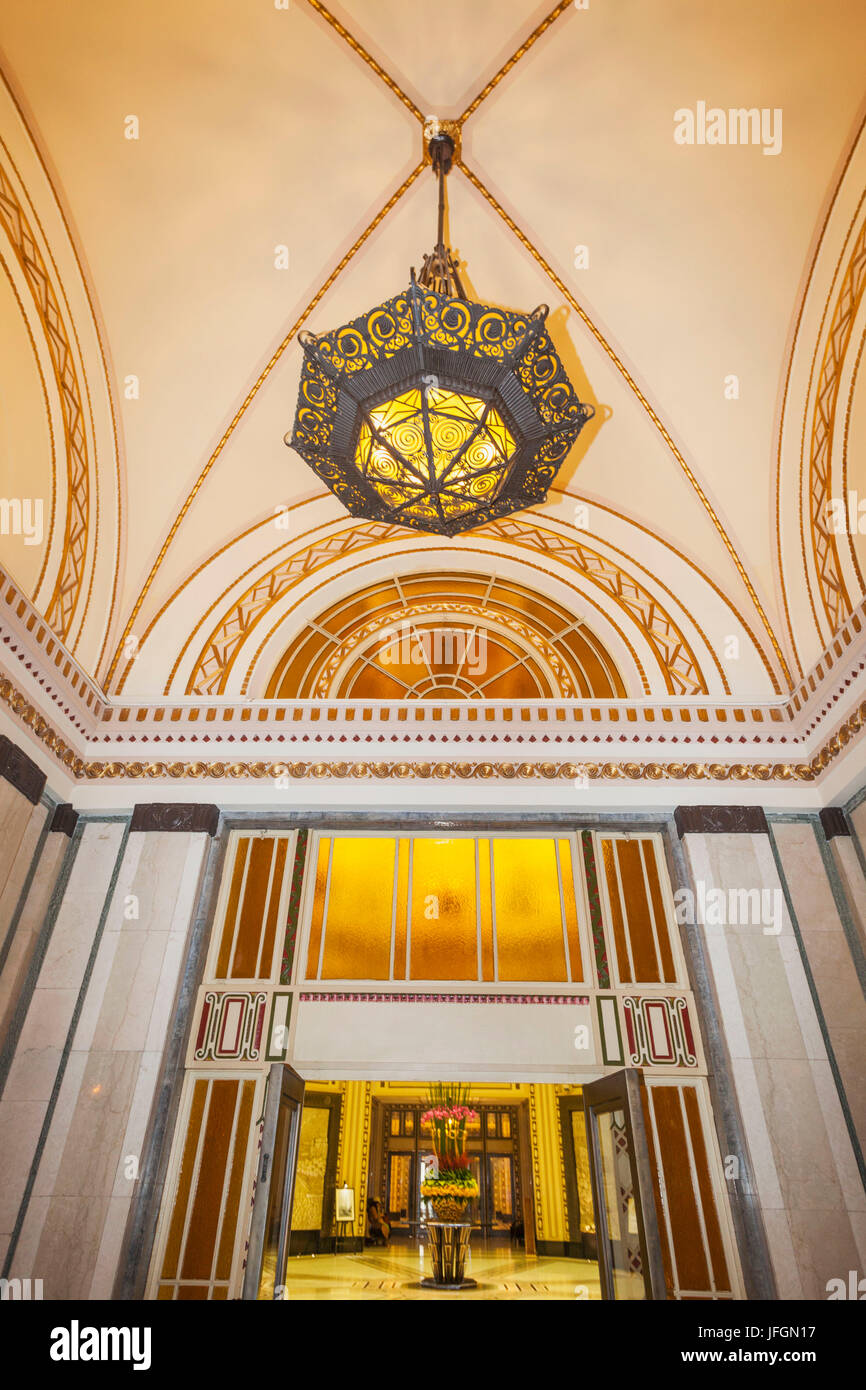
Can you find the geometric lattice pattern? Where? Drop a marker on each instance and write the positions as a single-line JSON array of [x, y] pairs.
[[834, 595], [61, 607]]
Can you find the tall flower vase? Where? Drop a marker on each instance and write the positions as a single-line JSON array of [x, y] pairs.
[[451, 1188], [449, 1243]]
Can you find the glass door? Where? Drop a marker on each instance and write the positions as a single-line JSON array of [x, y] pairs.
[[623, 1189], [272, 1204], [500, 1190]]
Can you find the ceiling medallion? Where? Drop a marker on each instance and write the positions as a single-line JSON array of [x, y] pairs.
[[432, 411]]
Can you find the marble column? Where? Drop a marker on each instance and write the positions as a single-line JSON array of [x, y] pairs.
[[25, 906], [801, 1151], [75, 1111], [24, 815]]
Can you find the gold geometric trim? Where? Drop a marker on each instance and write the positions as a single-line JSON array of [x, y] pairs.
[[84, 769], [632, 384], [674, 655], [831, 585], [676, 659], [61, 607]]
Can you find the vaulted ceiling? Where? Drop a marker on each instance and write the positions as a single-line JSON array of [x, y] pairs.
[[149, 359]]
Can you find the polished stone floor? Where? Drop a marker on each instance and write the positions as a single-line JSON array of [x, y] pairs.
[[394, 1272]]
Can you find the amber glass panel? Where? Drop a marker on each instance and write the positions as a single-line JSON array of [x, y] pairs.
[[487, 967], [207, 1202], [707, 1196], [243, 848], [252, 913], [233, 1196], [622, 961], [402, 909], [318, 908], [395, 1121], [266, 957], [184, 1181], [445, 945], [505, 1125], [569, 907], [652, 872], [358, 926], [528, 912], [637, 910], [682, 1201]]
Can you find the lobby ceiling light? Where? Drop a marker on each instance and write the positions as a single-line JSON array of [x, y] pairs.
[[432, 411]]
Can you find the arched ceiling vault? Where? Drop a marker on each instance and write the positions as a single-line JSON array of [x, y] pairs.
[[662, 519]]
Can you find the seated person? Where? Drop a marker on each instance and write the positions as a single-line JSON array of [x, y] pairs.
[[378, 1229]]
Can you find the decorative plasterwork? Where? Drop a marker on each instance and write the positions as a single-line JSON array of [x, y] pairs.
[[560, 9], [831, 583], [634, 601], [83, 720], [62, 604]]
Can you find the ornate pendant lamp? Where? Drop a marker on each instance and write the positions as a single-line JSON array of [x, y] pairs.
[[434, 412]]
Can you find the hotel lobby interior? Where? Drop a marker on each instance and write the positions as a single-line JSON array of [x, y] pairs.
[[432, 651]]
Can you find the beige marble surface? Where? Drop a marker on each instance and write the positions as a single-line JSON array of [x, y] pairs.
[[74, 1228], [805, 1172]]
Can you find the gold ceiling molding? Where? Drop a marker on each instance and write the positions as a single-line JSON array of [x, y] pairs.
[[477, 617], [677, 661], [51, 525], [801, 306], [515, 58], [84, 769], [574, 663], [67, 590], [241, 411], [215, 660], [833, 591], [852, 394], [415, 111], [673, 652], [465, 549], [632, 384], [389, 82]]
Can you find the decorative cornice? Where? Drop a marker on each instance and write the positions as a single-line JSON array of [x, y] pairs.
[[775, 741]]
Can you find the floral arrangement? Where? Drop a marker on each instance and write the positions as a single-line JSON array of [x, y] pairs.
[[454, 1187]]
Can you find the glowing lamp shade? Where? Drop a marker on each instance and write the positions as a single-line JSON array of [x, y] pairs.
[[436, 413]]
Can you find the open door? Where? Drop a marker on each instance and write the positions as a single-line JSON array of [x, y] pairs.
[[272, 1205], [629, 1250]]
